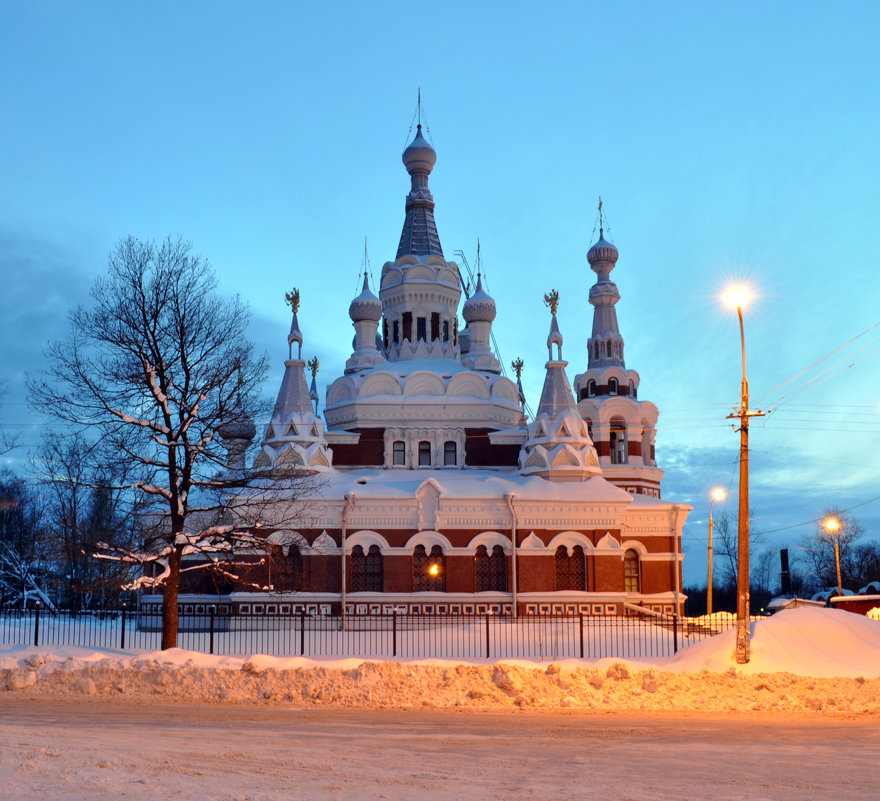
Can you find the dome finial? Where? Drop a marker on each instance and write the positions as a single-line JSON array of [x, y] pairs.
[[601, 220], [551, 299], [295, 334]]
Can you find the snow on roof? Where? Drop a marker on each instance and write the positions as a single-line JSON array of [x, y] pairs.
[[379, 483]]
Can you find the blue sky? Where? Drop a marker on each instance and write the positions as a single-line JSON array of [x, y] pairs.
[[728, 142]]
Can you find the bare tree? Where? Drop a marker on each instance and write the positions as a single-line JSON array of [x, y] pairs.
[[86, 504], [818, 549], [24, 562], [726, 547], [8, 441], [154, 369]]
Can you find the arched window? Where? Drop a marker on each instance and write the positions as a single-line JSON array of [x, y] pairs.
[[395, 335], [490, 572], [570, 569], [446, 330], [498, 570], [398, 452], [429, 571], [450, 453], [577, 568], [632, 579], [608, 348], [424, 453], [612, 386], [375, 575], [286, 572], [358, 569], [481, 569], [591, 388], [632, 389], [421, 329]]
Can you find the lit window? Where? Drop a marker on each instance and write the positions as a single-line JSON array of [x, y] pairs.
[[631, 577]]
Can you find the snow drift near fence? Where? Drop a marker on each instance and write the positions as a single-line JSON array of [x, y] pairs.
[[802, 660]]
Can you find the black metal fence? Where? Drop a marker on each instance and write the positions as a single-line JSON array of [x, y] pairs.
[[408, 636]]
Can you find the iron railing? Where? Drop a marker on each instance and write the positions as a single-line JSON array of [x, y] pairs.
[[218, 630]]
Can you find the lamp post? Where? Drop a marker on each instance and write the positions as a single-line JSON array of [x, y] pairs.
[[832, 527], [718, 494], [736, 297]]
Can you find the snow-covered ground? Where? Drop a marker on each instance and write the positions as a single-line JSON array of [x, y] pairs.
[[76, 723], [814, 660]]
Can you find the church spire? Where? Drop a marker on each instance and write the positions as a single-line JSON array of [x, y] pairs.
[[419, 236], [605, 346], [558, 446]]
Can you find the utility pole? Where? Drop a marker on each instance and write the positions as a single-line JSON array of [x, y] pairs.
[[743, 653]]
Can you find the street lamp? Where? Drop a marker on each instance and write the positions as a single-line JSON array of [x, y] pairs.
[[717, 494], [832, 527], [736, 297]]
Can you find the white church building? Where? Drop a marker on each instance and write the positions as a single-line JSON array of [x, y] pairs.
[[435, 494]]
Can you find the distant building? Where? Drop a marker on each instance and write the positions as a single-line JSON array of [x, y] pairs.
[[443, 496]]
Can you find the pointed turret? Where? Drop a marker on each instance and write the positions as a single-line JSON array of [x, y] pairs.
[[294, 437], [622, 427], [419, 236], [420, 290], [605, 346], [558, 446]]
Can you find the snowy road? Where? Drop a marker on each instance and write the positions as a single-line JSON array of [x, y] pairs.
[[76, 748]]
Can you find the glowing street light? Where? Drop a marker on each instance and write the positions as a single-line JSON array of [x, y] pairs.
[[717, 494], [736, 297], [832, 527]]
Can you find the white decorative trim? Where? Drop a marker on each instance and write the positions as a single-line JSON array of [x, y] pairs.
[[365, 538], [490, 539]]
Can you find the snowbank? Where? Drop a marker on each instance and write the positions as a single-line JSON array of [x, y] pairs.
[[802, 660]]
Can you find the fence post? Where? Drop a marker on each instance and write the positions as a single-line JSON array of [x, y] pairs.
[[487, 636], [581, 625], [302, 631], [675, 634], [211, 639], [122, 636], [394, 633], [36, 624]]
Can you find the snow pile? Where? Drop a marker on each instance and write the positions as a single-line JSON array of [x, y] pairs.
[[802, 660]]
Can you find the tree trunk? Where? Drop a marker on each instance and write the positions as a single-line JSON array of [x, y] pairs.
[[169, 604]]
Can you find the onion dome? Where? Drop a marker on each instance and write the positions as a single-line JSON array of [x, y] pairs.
[[479, 307], [365, 306], [239, 427], [602, 251], [419, 156]]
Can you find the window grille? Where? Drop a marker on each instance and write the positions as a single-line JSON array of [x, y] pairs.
[[631, 571]]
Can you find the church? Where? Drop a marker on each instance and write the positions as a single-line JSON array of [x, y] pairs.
[[433, 491]]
